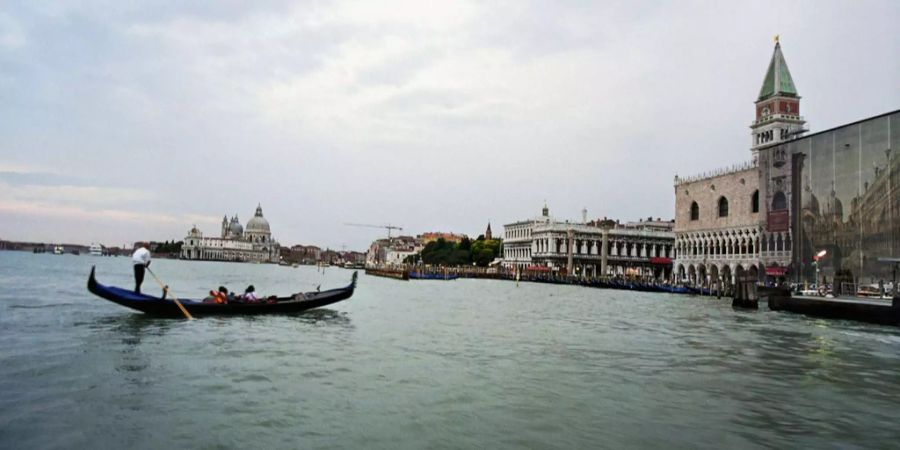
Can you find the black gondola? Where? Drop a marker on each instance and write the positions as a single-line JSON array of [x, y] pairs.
[[167, 308]]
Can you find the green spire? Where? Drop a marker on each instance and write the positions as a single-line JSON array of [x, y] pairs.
[[778, 79]]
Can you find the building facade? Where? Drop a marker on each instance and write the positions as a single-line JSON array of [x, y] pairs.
[[589, 249], [431, 236], [839, 191], [392, 251], [305, 254], [234, 243], [718, 226], [823, 208], [725, 225]]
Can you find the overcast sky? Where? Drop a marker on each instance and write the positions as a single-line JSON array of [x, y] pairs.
[[122, 121]]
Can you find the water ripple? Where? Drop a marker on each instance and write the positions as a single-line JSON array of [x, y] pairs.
[[467, 364]]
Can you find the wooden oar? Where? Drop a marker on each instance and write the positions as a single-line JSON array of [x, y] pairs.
[[180, 306]]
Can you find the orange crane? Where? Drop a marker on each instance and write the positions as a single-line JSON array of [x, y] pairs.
[[389, 227]]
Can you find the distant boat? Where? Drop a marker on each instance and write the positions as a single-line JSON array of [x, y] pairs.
[[58, 250], [432, 276], [96, 249]]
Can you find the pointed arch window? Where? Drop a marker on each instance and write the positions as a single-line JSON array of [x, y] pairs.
[[754, 202], [695, 211], [779, 202], [723, 207]]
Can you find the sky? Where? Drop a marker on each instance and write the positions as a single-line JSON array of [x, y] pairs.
[[125, 121]]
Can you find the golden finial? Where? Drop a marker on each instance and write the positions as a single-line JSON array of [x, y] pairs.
[[776, 38]]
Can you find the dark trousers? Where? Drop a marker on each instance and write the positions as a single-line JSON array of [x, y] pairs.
[[138, 277]]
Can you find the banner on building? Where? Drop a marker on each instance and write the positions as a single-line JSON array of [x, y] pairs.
[[778, 221]]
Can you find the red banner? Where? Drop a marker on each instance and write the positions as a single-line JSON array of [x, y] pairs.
[[778, 221], [662, 261], [776, 271]]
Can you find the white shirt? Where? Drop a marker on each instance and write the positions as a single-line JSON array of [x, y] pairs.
[[141, 256]]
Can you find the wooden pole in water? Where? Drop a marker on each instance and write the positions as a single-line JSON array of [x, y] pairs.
[[166, 289]]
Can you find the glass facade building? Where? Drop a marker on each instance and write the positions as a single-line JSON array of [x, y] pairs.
[[845, 200]]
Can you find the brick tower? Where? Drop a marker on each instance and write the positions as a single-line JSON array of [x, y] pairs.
[[778, 106]]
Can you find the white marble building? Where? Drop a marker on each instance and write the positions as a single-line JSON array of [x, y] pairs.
[[590, 249], [235, 243]]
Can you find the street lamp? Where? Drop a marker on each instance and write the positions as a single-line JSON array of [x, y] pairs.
[[816, 259]]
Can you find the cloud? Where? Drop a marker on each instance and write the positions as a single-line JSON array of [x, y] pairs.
[[428, 115], [71, 199], [12, 35]]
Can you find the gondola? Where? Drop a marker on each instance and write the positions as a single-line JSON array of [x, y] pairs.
[[156, 306]]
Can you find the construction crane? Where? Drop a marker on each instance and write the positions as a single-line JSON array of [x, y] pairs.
[[388, 226]]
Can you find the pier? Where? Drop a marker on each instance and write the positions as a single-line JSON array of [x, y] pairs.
[[397, 274], [880, 311]]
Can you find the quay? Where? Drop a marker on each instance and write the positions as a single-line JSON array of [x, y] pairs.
[[404, 272], [397, 274], [884, 312], [744, 295]]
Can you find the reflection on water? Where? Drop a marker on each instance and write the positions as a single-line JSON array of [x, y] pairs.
[[322, 316]]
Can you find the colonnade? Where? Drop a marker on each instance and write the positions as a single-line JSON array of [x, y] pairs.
[[749, 242], [548, 246]]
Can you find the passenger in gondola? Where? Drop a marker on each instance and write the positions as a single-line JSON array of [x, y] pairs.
[[250, 294], [220, 296]]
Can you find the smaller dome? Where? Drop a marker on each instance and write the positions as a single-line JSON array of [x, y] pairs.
[[237, 229]]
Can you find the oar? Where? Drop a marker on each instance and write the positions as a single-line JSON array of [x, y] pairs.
[[180, 306]]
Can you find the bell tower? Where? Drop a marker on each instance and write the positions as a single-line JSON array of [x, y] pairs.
[[778, 116]]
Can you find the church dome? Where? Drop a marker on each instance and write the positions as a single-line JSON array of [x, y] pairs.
[[258, 224], [236, 228]]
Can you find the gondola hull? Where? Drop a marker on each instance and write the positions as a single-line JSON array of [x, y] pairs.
[[156, 306]]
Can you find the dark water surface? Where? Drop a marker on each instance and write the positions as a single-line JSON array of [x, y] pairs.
[[427, 364]]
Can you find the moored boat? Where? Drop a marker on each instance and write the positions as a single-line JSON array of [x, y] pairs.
[[413, 275], [157, 306]]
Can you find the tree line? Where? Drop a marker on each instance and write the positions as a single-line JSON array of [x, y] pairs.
[[463, 253]]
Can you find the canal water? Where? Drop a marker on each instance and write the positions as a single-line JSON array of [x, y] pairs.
[[427, 364]]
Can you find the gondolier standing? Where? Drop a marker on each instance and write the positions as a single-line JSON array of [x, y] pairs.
[[141, 260]]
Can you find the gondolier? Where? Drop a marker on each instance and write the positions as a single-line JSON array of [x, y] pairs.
[[141, 260]]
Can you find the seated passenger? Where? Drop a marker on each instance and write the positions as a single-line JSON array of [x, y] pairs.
[[250, 294], [220, 296]]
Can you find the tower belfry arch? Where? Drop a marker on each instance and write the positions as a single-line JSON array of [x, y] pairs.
[[777, 116]]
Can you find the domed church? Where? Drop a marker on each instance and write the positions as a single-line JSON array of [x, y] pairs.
[[235, 243]]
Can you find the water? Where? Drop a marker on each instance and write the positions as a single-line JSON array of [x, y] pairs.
[[427, 364]]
